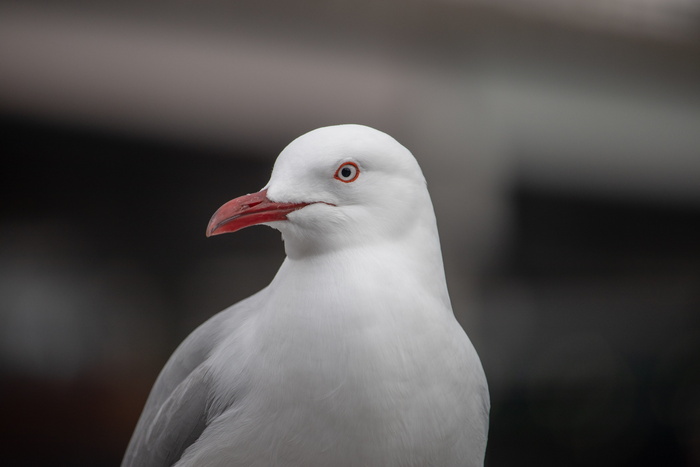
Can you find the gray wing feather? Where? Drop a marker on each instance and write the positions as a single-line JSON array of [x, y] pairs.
[[178, 423], [175, 413]]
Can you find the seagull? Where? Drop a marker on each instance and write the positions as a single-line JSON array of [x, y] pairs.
[[352, 355]]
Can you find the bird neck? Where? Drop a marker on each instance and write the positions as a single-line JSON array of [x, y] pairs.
[[410, 264]]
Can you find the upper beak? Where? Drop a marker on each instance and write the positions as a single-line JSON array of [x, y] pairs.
[[249, 210]]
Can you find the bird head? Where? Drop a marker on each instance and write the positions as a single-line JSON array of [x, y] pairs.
[[335, 187]]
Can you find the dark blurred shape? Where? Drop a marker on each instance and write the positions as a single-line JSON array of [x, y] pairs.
[[608, 357]]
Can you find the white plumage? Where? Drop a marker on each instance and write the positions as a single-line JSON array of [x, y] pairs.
[[352, 355]]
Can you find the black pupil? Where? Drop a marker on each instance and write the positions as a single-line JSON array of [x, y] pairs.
[[346, 172]]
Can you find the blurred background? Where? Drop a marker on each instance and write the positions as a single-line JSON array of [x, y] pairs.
[[560, 140]]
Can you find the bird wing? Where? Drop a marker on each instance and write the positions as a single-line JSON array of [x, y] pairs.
[[175, 413]]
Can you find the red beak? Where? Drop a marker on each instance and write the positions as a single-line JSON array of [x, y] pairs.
[[249, 210]]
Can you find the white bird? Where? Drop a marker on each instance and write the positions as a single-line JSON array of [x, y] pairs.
[[352, 355]]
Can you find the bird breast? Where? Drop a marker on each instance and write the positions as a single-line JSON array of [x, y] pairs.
[[355, 368]]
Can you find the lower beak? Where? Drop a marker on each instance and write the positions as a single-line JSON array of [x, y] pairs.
[[249, 210]]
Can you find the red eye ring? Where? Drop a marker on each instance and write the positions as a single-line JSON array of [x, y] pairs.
[[347, 172]]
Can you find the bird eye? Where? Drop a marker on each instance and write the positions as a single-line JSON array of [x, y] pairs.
[[347, 172]]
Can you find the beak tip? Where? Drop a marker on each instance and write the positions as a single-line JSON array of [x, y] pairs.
[[213, 225]]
